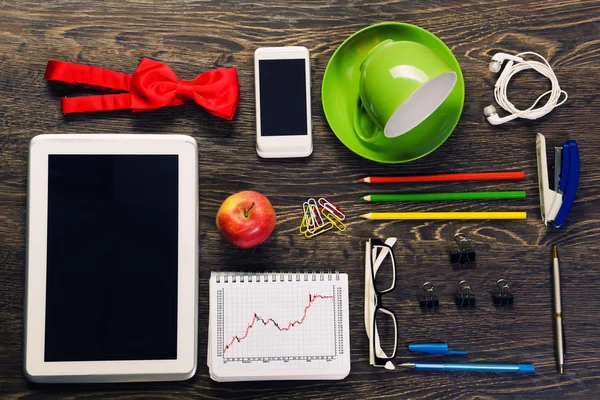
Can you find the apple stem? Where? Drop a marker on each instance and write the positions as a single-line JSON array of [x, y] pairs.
[[248, 210]]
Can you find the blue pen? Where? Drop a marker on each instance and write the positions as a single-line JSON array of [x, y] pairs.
[[469, 367], [434, 348]]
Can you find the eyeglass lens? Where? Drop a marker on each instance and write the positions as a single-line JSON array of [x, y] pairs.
[[384, 268], [386, 330]]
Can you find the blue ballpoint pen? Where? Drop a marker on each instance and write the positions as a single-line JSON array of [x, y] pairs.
[[469, 367]]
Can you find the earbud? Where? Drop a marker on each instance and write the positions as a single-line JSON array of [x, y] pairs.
[[495, 66], [498, 59], [493, 117]]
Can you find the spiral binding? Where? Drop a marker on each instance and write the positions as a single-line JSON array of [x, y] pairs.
[[276, 276]]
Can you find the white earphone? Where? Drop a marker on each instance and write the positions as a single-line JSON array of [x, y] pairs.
[[515, 65], [498, 59]]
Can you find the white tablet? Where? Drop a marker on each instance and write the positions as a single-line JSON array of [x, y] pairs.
[[112, 258]]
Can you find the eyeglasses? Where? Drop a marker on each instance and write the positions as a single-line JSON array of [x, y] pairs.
[[380, 322]]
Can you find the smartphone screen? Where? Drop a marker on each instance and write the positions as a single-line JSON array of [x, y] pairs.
[[283, 97]]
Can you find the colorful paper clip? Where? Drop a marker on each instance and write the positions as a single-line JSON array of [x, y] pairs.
[[305, 228], [316, 220], [314, 213], [312, 217], [334, 220], [320, 230], [332, 208], [305, 219]]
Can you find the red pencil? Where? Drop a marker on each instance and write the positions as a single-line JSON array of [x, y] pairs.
[[476, 176]]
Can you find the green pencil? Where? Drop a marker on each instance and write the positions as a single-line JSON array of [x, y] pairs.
[[445, 196]]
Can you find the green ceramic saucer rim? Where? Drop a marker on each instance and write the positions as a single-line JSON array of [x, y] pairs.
[[397, 24]]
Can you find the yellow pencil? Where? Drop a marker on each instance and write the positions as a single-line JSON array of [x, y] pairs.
[[445, 215]]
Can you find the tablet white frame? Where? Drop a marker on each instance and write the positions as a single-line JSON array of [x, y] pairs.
[[283, 146], [184, 367]]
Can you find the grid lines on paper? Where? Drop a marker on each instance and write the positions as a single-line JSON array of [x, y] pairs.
[[278, 320]]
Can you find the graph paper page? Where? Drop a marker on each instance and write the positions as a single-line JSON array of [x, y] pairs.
[[279, 326]]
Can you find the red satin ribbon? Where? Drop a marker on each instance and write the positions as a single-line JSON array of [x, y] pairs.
[[152, 85]]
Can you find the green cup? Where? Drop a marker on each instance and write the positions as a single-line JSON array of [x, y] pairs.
[[401, 84]]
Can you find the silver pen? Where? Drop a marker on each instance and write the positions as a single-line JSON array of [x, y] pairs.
[[560, 334]]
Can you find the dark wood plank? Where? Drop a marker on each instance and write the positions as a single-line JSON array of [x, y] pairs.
[[195, 36]]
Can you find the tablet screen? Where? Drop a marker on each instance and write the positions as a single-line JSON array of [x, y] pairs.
[[111, 285]]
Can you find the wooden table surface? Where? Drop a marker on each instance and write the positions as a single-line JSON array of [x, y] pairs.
[[195, 36]]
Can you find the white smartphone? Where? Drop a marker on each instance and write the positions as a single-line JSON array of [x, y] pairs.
[[283, 117]]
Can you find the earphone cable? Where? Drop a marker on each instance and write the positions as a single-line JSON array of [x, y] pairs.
[[500, 89]]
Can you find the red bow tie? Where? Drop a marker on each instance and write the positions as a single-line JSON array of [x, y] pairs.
[[152, 85]]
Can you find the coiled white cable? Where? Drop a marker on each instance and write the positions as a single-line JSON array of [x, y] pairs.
[[515, 65]]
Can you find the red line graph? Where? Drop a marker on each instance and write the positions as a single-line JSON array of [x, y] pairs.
[[311, 299]]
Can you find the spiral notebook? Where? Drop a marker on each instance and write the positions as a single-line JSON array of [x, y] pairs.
[[273, 326]]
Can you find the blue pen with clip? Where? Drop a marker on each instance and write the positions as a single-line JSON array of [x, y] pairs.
[[469, 367]]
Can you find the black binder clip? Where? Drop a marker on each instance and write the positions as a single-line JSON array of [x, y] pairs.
[[465, 296], [465, 255], [504, 297], [429, 299]]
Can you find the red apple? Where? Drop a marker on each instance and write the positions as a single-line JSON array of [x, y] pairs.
[[246, 219]]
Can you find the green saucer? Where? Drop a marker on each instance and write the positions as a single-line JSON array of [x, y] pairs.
[[341, 99]]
